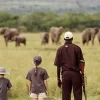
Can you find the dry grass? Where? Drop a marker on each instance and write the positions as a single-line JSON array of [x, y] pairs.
[[19, 60]]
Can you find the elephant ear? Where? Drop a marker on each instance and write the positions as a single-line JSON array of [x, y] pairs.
[[96, 30], [7, 32], [3, 30], [61, 29]]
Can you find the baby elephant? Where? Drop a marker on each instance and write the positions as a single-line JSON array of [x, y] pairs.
[[18, 40], [44, 38]]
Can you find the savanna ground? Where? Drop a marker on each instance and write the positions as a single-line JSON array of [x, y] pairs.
[[18, 61]]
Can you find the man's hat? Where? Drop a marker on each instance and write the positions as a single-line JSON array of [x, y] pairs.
[[37, 59], [68, 35], [3, 71]]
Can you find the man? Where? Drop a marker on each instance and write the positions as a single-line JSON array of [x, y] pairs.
[[69, 59]]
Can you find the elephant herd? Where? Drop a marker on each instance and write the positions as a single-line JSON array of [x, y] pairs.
[[54, 33], [12, 34], [89, 34]]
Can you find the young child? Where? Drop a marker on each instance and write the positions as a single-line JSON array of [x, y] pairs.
[[5, 84], [37, 80]]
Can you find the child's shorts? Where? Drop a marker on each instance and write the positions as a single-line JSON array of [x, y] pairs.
[[40, 95]]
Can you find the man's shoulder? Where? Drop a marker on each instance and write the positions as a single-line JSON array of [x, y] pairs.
[[59, 48], [76, 46]]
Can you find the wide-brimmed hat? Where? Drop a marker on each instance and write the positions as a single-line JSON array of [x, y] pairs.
[[3, 71], [37, 59]]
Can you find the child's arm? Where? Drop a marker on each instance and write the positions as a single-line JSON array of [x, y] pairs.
[[28, 77], [9, 85], [9, 88], [29, 86], [46, 85]]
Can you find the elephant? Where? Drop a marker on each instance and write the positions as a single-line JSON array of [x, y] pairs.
[[9, 33], [89, 35], [56, 32], [44, 38], [98, 36], [2, 30], [18, 40]]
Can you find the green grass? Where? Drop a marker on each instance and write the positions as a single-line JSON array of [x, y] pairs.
[[18, 61]]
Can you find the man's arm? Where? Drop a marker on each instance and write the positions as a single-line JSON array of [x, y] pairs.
[[82, 65], [81, 61], [58, 77], [57, 63], [58, 72]]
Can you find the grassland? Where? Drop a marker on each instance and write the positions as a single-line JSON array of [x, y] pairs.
[[19, 60]]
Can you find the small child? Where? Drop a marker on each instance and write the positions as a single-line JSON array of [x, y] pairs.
[[5, 84], [37, 80]]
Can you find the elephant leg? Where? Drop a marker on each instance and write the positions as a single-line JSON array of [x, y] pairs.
[[42, 42], [52, 40], [47, 41], [16, 44], [93, 37], [92, 40], [83, 42], [98, 40], [6, 41], [57, 40], [87, 40], [25, 42]]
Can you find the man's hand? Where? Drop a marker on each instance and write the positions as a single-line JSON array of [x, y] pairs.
[[82, 79], [59, 83]]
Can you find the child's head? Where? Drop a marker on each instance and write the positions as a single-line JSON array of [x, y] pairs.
[[37, 60], [3, 71]]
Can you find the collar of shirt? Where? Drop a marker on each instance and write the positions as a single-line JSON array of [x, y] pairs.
[[67, 43]]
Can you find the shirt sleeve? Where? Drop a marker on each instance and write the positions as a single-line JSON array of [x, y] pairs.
[[80, 56], [9, 85], [28, 77], [45, 75], [57, 59]]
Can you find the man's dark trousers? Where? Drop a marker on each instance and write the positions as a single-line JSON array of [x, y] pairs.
[[71, 79]]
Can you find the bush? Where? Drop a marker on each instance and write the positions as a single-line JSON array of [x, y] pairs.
[[41, 21], [22, 28]]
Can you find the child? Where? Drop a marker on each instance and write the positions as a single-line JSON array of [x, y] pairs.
[[5, 84], [37, 80]]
